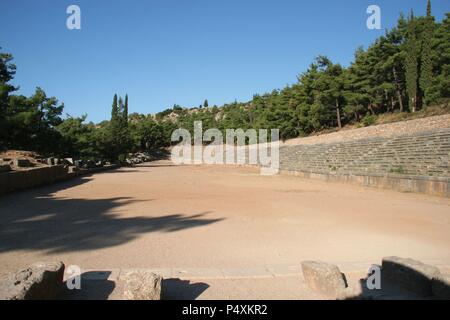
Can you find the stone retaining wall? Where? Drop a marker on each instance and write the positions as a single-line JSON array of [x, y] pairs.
[[416, 162], [435, 186], [33, 177]]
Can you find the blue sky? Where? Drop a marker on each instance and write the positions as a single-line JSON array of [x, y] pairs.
[[163, 52]]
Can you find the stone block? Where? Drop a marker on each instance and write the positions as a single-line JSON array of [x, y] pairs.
[[410, 274], [72, 169], [324, 278], [40, 281], [142, 285]]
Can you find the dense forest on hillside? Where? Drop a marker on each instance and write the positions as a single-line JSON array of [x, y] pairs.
[[404, 71]]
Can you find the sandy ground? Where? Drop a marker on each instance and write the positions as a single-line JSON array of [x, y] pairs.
[[206, 218]]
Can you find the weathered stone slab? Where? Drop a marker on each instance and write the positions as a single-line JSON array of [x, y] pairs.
[[324, 278], [410, 274], [40, 281], [142, 285], [72, 169], [441, 287]]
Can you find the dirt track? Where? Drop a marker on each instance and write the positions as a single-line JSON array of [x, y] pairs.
[[204, 218]]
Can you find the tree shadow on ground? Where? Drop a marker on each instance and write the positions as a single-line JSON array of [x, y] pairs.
[[36, 220], [177, 289], [156, 165]]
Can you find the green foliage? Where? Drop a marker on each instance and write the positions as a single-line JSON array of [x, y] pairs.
[[30, 123], [408, 66], [440, 85], [117, 134], [398, 170], [411, 64], [368, 120], [426, 69], [7, 71]]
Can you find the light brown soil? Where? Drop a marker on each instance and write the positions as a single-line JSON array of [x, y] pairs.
[[215, 217]]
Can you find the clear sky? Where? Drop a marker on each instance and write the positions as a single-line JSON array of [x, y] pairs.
[[163, 52]]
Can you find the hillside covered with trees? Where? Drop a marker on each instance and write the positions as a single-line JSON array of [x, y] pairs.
[[404, 71]]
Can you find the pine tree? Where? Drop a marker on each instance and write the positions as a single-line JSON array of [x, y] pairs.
[[7, 71], [411, 64], [440, 88], [426, 69], [205, 104]]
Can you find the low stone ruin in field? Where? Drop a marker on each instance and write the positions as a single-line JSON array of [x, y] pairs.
[[400, 279]]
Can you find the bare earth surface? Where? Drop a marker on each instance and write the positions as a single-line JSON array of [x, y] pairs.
[[218, 224]]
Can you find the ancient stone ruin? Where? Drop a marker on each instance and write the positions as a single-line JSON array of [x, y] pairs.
[[401, 278]]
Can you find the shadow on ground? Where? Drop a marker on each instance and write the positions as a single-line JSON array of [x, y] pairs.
[[414, 286], [177, 289], [150, 165], [36, 220], [90, 289], [171, 289]]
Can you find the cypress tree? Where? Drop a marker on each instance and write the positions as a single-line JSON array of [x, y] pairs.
[[121, 124], [411, 63], [114, 109], [126, 140], [114, 130], [125, 110], [120, 137], [429, 8], [426, 69]]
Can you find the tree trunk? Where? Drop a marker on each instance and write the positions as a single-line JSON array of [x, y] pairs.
[[399, 94], [386, 102], [338, 114]]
